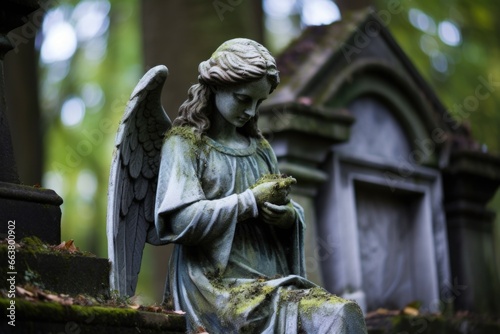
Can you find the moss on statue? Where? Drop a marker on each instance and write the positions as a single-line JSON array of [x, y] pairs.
[[265, 144], [187, 133], [283, 184], [195, 139], [248, 295], [316, 297]]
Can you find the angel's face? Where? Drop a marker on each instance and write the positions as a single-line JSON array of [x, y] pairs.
[[238, 104]]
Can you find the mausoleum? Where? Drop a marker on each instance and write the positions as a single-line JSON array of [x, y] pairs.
[[395, 189]]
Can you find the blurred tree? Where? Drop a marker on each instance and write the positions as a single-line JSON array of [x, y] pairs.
[[91, 55], [348, 5], [23, 107], [90, 63]]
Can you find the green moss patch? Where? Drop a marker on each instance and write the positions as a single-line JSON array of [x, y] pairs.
[[58, 270], [276, 194], [243, 299], [197, 141], [185, 132]]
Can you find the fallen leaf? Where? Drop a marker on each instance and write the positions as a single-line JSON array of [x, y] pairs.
[[68, 246], [408, 310], [134, 306], [21, 292], [201, 330]]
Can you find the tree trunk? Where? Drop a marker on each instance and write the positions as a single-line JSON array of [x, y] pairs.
[[181, 34], [23, 111], [350, 5]]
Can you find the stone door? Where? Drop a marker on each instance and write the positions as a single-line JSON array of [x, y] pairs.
[[386, 237]]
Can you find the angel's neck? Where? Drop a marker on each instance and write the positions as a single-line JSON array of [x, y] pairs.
[[225, 133]]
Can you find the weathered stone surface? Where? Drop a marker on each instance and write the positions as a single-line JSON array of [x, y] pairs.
[[40, 317], [432, 324], [8, 170], [36, 212], [13, 13], [60, 272], [469, 182]]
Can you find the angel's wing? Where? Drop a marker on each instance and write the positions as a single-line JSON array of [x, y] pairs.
[[133, 179]]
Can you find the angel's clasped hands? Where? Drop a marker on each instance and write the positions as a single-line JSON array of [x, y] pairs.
[[274, 204]]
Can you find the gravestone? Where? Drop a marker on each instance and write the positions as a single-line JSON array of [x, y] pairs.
[[35, 211], [395, 190]]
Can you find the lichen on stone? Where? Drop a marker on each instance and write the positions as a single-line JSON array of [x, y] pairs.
[[196, 140], [246, 296], [282, 184]]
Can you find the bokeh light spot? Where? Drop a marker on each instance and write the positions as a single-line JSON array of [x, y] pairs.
[[86, 184], [449, 33], [439, 62], [422, 21], [72, 111], [317, 12], [279, 8], [59, 43]]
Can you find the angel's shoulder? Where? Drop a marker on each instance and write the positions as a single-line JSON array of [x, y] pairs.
[[182, 135], [266, 151], [183, 139], [264, 146]]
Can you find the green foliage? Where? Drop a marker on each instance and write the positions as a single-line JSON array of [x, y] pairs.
[[473, 58], [87, 147], [78, 157]]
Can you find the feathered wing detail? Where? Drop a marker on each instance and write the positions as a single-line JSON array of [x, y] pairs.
[[133, 179]]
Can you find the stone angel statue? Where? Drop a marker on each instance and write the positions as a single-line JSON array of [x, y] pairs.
[[209, 183]]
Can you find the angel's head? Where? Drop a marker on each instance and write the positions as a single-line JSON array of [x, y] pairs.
[[235, 62]]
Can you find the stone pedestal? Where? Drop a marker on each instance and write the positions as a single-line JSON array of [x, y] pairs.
[[63, 272], [301, 136], [44, 317], [34, 211], [470, 181]]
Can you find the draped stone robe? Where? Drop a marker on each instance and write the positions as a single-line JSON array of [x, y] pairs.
[[229, 271]]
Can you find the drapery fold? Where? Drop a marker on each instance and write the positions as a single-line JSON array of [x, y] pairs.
[[229, 271]]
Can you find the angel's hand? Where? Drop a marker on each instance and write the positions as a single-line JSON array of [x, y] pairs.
[[272, 193], [282, 216]]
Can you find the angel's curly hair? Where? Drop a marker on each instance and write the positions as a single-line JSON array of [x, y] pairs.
[[236, 61]]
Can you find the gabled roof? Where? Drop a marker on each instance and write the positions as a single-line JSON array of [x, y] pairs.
[[322, 52]]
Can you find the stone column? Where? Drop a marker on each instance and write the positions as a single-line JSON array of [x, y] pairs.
[[36, 211], [470, 181], [8, 170], [301, 136]]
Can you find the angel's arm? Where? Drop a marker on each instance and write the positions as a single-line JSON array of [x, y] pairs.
[[283, 216], [293, 238], [183, 214]]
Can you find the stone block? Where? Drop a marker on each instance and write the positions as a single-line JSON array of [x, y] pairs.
[[40, 317], [61, 272], [36, 212]]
